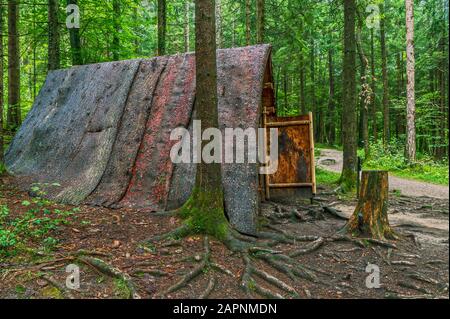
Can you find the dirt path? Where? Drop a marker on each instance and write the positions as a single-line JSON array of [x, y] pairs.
[[331, 160]]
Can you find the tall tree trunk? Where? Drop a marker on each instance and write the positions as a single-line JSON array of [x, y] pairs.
[[205, 206], [75, 41], [1, 85], [162, 27], [260, 21], [365, 94], [14, 113], [186, 29], [373, 106], [136, 40], [116, 25], [398, 113], [219, 24], [386, 123], [348, 177], [331, 105], [410, 90], [443, 141], [247, 22], [313, 83], [302, 74], [53, 35]]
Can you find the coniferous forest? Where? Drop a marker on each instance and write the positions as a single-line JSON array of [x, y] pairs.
[[373, 74]]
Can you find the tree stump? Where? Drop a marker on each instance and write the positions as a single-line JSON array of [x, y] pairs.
[[370, 217]]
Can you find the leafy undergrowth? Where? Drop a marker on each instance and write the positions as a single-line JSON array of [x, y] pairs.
[[33, 230], [393, 160]]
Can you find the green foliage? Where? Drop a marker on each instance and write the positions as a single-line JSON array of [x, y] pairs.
[[34, 226], [2, 168], [324, 177], [393, 160]]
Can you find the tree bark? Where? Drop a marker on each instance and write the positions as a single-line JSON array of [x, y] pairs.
[[162, 27], [53, 35], [1, 85], [247, 22], [313, 83], [75, 41], [373, 106], [219, 24], [14, 114], [116, 25], [302, 74], [410, 90], [186, 29], [386, 123], [370, 218], [398, 113], [260, 16], [204, 209], [365, 94], [348, 177], [331, 104]]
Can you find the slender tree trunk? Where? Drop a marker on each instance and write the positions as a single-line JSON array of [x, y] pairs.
[[1, 85], [187, 26], [313, 83], [398, 113], [443, 142], [53, 35], [331, 105], [75, 41], [386, 123], [136, 40], [348, 178], [302, 75], [373, 109], [410, 90], [116, 25], [260, 21], [365, 94], [247, 22], [14, 113], [162, 27], [219, 23], [302, 85]]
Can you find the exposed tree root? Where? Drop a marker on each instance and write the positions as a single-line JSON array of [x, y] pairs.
[[109, 270], [209, 288], [314, 246]]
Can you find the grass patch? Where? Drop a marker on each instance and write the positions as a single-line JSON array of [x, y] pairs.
[[393, 160], [330, 147], [324, 177]]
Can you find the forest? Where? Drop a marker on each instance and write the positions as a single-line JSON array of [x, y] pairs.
[[372, 74], [307, 40]]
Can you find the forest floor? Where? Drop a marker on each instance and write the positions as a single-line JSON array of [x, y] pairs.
[[331, 160], [415, 266]]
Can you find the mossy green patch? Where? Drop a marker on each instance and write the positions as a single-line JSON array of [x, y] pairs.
[[204, 214]]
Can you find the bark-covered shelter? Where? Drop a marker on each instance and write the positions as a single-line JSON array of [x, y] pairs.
[[99, 134]]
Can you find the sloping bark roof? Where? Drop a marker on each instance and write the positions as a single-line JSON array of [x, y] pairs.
[[102, 131]]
